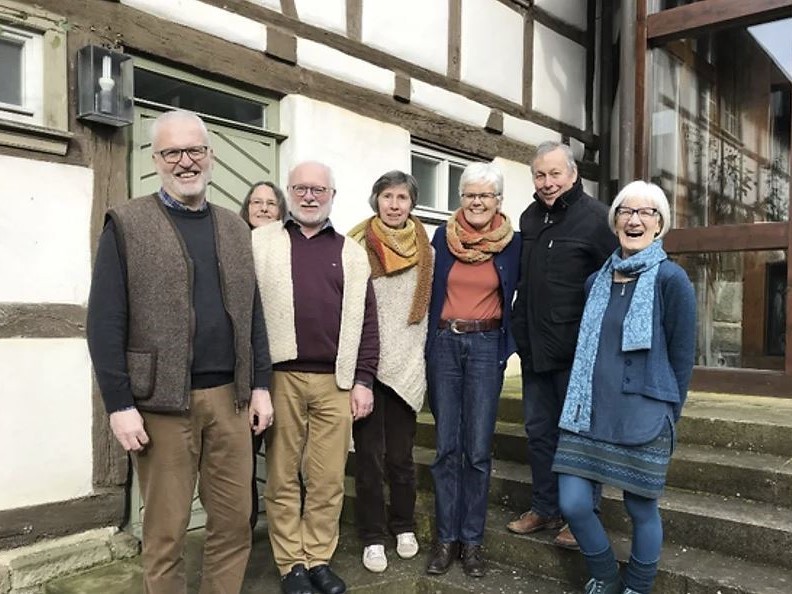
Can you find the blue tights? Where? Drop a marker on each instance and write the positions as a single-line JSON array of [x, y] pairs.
[[576, 501]]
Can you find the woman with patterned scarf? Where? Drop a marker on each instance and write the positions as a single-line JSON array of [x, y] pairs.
[[628, 384], [477, 261], [401, 270]]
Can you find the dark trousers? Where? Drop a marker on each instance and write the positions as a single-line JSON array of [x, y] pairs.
[[465, 381], [254, 510], [543, 400], [383, 447]]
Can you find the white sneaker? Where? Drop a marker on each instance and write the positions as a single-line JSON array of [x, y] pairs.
[[406, 545], [374, 558]]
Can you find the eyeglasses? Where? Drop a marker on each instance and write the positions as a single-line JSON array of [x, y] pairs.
[[645, 213], [316, 191], [174, 155], [470, 196]]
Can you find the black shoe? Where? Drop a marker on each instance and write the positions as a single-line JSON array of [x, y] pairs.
[[327, 582], [473, 562], [443, 555], [296, 581]]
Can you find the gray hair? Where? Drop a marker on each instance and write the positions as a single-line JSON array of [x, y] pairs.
[[390, 179], [551, 145], [174, 115], [483, 173], [330, 176], [642, 189]]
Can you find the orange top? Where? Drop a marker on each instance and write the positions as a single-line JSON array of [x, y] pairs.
[[472, 292]]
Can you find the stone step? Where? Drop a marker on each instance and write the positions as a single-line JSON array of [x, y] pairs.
[[728, 525], [683, 569], [729, 472], [401, 577], [732, 421]]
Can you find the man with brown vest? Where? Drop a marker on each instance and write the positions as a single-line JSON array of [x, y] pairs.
[[324, 342], [179, 347]]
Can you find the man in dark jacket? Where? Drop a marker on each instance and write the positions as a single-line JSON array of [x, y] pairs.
[[179, 347], [565, 238]]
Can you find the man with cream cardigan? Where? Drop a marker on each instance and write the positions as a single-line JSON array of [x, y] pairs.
[[320, 310]]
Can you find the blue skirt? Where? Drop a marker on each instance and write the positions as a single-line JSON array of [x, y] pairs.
[[637, 469]]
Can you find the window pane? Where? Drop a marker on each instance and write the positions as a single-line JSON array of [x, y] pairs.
[[424, 170], [178, 93], [656, 5], [741, 308], [10, 72], [720, 125], [454, 173]]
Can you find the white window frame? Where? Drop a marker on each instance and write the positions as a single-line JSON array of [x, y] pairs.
[[31, 109], [443, 160]]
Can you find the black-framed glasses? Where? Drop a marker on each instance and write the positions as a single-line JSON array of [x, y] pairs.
[[471, 196], [316, 191], [174, 155], [645, 213]]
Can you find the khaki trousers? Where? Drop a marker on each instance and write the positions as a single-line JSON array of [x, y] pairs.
[[210, 443], [311, 433]]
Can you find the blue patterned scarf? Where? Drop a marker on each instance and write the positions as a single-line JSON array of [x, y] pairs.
[[636, 331]]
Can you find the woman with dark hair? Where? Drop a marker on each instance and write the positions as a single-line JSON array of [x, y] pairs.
[[629, 381], [263, 204], [401, 270], [477, 263]]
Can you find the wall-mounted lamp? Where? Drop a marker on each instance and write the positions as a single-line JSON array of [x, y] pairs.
[[104, 86]]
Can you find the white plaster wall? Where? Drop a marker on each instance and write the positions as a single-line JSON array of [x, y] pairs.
[[328, 14], [358, 149], [569, 11], [207, 18], [527, 132], [414, 30], [518, 188], [492, 48], [271, 4], [45, 426], [337, 64], [452, 105], [44, 232], [559, 75]]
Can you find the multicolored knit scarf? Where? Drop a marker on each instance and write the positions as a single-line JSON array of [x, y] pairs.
[[469, 245], [392, 251]]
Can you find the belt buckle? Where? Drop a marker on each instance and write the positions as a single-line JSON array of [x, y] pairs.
[[453, 327]]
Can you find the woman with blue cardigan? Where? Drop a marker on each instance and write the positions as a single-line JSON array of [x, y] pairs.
[[477, 256], [629, 381]]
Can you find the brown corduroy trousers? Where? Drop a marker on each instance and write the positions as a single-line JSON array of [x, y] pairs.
[[210, 444]]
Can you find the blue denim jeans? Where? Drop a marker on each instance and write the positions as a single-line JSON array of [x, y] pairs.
[[465, 381]]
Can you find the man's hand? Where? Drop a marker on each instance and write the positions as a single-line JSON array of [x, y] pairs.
[[361, 401], [127, 426], [261, 407]]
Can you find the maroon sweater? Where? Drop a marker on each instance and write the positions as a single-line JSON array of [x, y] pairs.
[[318, 281]]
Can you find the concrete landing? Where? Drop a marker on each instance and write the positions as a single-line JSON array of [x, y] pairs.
[[401, 577]]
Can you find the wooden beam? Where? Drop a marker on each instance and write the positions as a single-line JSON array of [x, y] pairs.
[[741, 381], [528, 50], [641, 134], [26, 525], [354, 19], [591, 61], [42, 320], [728, 238], [788, 304], [710, 15], [454, 66]]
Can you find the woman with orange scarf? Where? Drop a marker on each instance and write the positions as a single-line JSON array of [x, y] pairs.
[[401, 271], [477, 261]]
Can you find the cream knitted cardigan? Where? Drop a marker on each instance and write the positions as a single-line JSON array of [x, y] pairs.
[[401, 359], [272, 257]]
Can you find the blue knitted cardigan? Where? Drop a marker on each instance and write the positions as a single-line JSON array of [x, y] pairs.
[[636, 331]]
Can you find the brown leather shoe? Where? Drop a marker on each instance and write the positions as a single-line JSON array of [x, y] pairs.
[[566, 540], [531, 522], [443, 555], [473, 563]]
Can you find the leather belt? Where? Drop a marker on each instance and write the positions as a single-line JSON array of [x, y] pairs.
[[465, 326]]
